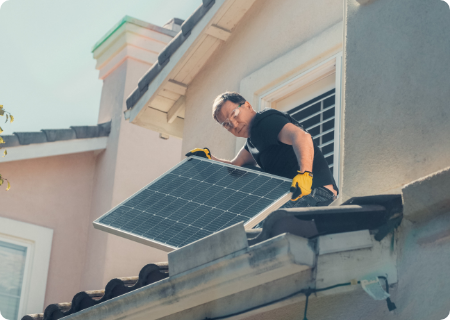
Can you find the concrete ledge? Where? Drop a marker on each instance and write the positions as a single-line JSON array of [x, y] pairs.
[[427, 197], [230, 276], [208, 249], [344, 242]]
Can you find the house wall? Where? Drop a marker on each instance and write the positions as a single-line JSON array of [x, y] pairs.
[[396, 94], [261, 37], [421, 293], [54, 192], [133, 158]]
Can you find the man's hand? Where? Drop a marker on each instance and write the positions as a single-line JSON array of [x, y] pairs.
[[204, 153], [301, 185]]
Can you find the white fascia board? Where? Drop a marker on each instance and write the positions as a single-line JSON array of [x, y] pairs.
[[271, 260], [163, 76], [48, 149]]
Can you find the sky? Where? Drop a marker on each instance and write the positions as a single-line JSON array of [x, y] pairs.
[[48, 78]]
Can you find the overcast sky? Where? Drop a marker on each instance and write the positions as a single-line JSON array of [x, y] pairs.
[[47, 73]]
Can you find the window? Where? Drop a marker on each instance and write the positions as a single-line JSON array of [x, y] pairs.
[[313, 99], [317, 116], [12, 267], [24, 260]]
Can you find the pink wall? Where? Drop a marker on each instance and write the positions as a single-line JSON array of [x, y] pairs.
[[54, 192], [67, 193], [134, 157]]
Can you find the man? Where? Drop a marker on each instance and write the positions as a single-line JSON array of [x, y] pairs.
[[279, 145]]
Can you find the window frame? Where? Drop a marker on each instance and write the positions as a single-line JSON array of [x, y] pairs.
[[38, 241], [315, 73]]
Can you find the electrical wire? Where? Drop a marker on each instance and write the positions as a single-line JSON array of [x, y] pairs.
[[307, 292]]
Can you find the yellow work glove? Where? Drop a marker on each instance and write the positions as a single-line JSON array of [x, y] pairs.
[[204, 153], [301, 185]]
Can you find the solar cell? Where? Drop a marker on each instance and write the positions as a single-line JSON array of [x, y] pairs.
[[193, 200]]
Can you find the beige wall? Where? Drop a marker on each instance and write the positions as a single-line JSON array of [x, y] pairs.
[[397, 93], [54, 192], [269, 30]]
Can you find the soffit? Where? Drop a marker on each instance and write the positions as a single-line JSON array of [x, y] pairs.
[[180, 62]]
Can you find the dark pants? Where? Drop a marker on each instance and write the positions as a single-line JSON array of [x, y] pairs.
[[319, 197]]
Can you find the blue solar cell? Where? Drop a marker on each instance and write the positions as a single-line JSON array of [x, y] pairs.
[[218, 222], [233, 198], [148, 224], [117, 213], [163, 181], [254, 184]]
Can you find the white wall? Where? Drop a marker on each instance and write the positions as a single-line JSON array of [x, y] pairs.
[[397, 93]]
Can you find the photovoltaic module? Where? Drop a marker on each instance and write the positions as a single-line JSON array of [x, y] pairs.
[[193, 200]]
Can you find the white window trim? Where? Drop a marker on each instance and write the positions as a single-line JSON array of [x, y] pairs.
[[316, 52], [316, 73], [38, 241]]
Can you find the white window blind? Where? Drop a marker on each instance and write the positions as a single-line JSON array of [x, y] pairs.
[[12, 266], [317, 116]]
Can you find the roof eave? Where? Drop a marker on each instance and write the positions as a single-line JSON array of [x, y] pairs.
[[178, 65], [231, 275], [175, 59]]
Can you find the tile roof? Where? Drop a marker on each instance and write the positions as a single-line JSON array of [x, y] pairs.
[[149, 274], [165, 55], [52, 135]]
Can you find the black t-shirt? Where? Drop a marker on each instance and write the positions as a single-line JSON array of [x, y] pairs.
[[278, 158]]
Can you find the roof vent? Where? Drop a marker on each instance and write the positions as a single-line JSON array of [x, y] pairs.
[[174, 24]]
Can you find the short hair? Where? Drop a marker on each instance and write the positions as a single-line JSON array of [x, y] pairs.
[[224, 97]]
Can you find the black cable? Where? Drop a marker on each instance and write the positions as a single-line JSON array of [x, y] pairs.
[[391, 306], [307, 293]]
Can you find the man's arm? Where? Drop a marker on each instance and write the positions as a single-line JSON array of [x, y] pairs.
[[302, 144], [242, 158]]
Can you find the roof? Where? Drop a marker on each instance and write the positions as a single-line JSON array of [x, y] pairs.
[[165, 55], [149, 274], [52, 135], [381, 214]]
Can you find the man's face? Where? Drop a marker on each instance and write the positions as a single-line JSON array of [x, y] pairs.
[[240, 125]]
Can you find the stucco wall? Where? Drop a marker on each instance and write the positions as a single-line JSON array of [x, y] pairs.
[[54, 192], [397, 93], [134, 157], [421, 293], [267, 31]]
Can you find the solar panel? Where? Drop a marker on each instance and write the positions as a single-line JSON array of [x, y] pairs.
[[194, 199]]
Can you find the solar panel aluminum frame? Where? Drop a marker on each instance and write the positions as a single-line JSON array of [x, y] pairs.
[[168, 248]]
